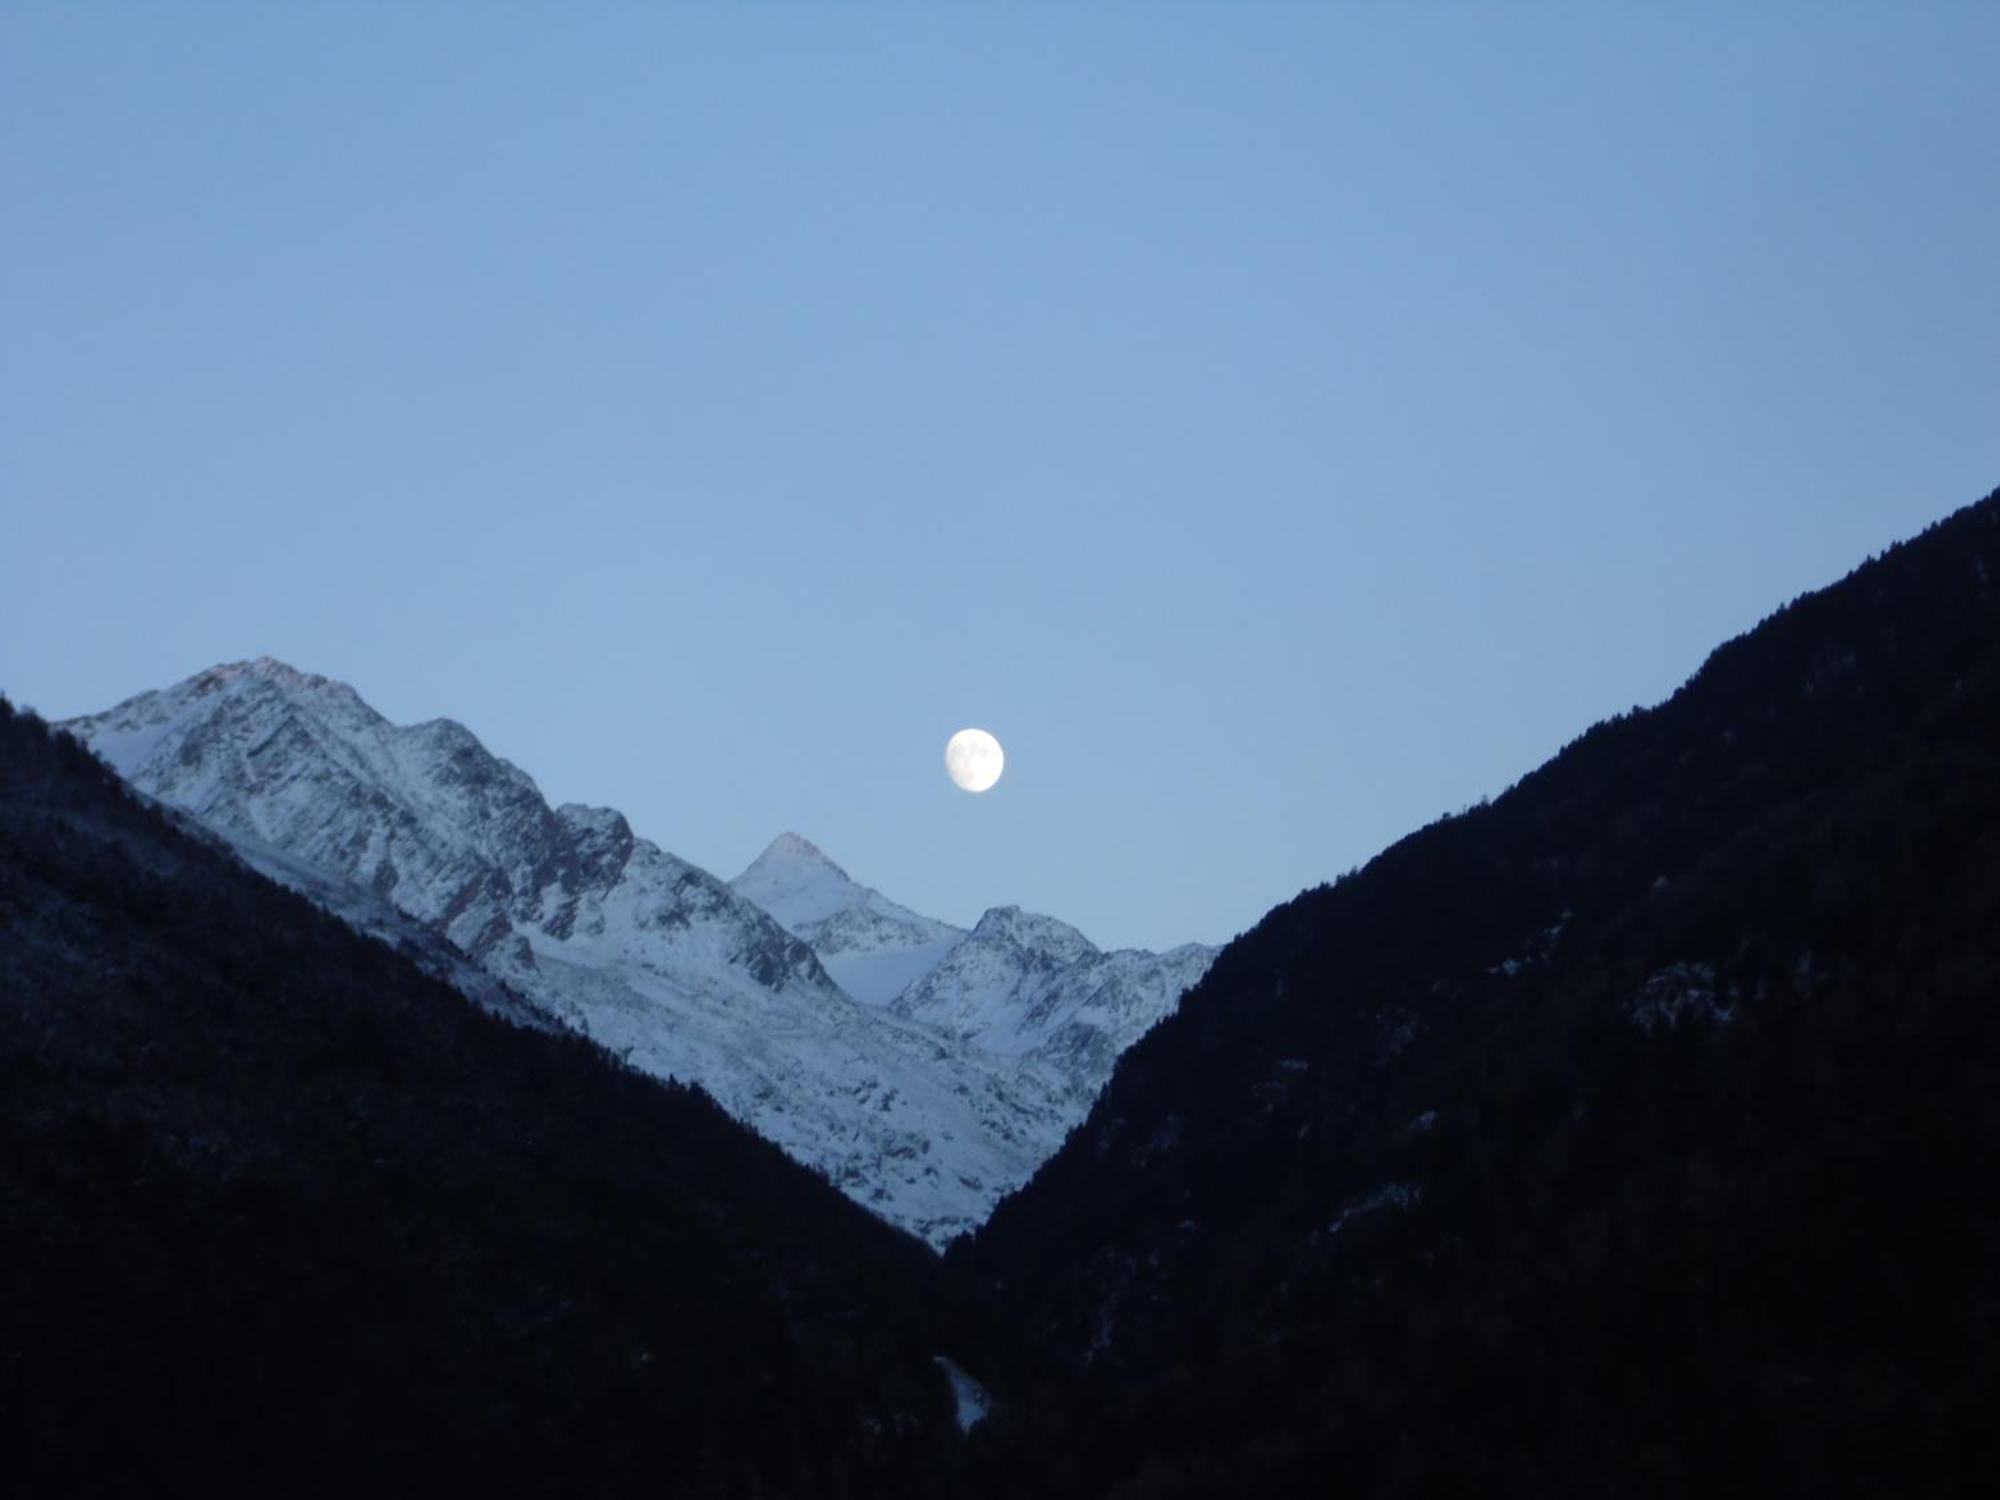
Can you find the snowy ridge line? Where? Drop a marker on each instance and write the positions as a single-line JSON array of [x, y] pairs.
[[951, 1068], [1018, 985]]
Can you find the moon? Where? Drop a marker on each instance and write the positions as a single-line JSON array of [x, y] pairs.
[[973, 759]]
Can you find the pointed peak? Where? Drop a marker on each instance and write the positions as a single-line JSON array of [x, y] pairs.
[[232, 686], [813, 898], [229, 687], [793, 850], [267, 670]]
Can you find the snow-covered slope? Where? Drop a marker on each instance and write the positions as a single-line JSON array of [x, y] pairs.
[[653, 957], [873, 947], [1017, 986], [1030, 987]]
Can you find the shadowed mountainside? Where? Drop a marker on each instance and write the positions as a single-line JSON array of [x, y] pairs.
[[279, 1214], [1638, 1132]]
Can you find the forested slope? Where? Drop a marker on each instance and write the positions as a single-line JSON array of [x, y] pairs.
[[280, 1215], [1637, 1133]]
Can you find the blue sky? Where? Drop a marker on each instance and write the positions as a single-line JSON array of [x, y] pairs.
[[1280, 425]]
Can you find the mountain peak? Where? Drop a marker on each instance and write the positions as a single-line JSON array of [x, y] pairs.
[[873, 948], [1033, 931], [264, 669], [795, 849], [263, 675], [791, 861], [1027, 985]]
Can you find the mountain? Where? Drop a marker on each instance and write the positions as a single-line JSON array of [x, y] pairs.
[[595, 927], [1633, 1133], [1028, 986], [1017, 986], [424, 816], [872, 947], [283, 1215]]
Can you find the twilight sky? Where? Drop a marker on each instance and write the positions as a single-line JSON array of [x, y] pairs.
[[1280, 425]]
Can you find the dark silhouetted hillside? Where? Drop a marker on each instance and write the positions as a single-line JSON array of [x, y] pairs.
[[279, 1215], [1635, 1134]]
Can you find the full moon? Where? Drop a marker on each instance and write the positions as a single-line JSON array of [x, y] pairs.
[[973, 759]]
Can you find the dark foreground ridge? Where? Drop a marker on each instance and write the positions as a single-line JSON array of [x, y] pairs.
[[1637, 1133], [280, 1215]]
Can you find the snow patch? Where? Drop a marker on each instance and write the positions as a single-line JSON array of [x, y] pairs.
[[973, 1404]]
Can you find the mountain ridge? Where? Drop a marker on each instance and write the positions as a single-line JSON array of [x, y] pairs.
[[1018, 984], [652, 957], [570, 911]]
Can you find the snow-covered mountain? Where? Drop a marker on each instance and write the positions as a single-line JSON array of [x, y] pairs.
[[653, 957], [1018, 985], [1027, 986], [874, 948]]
